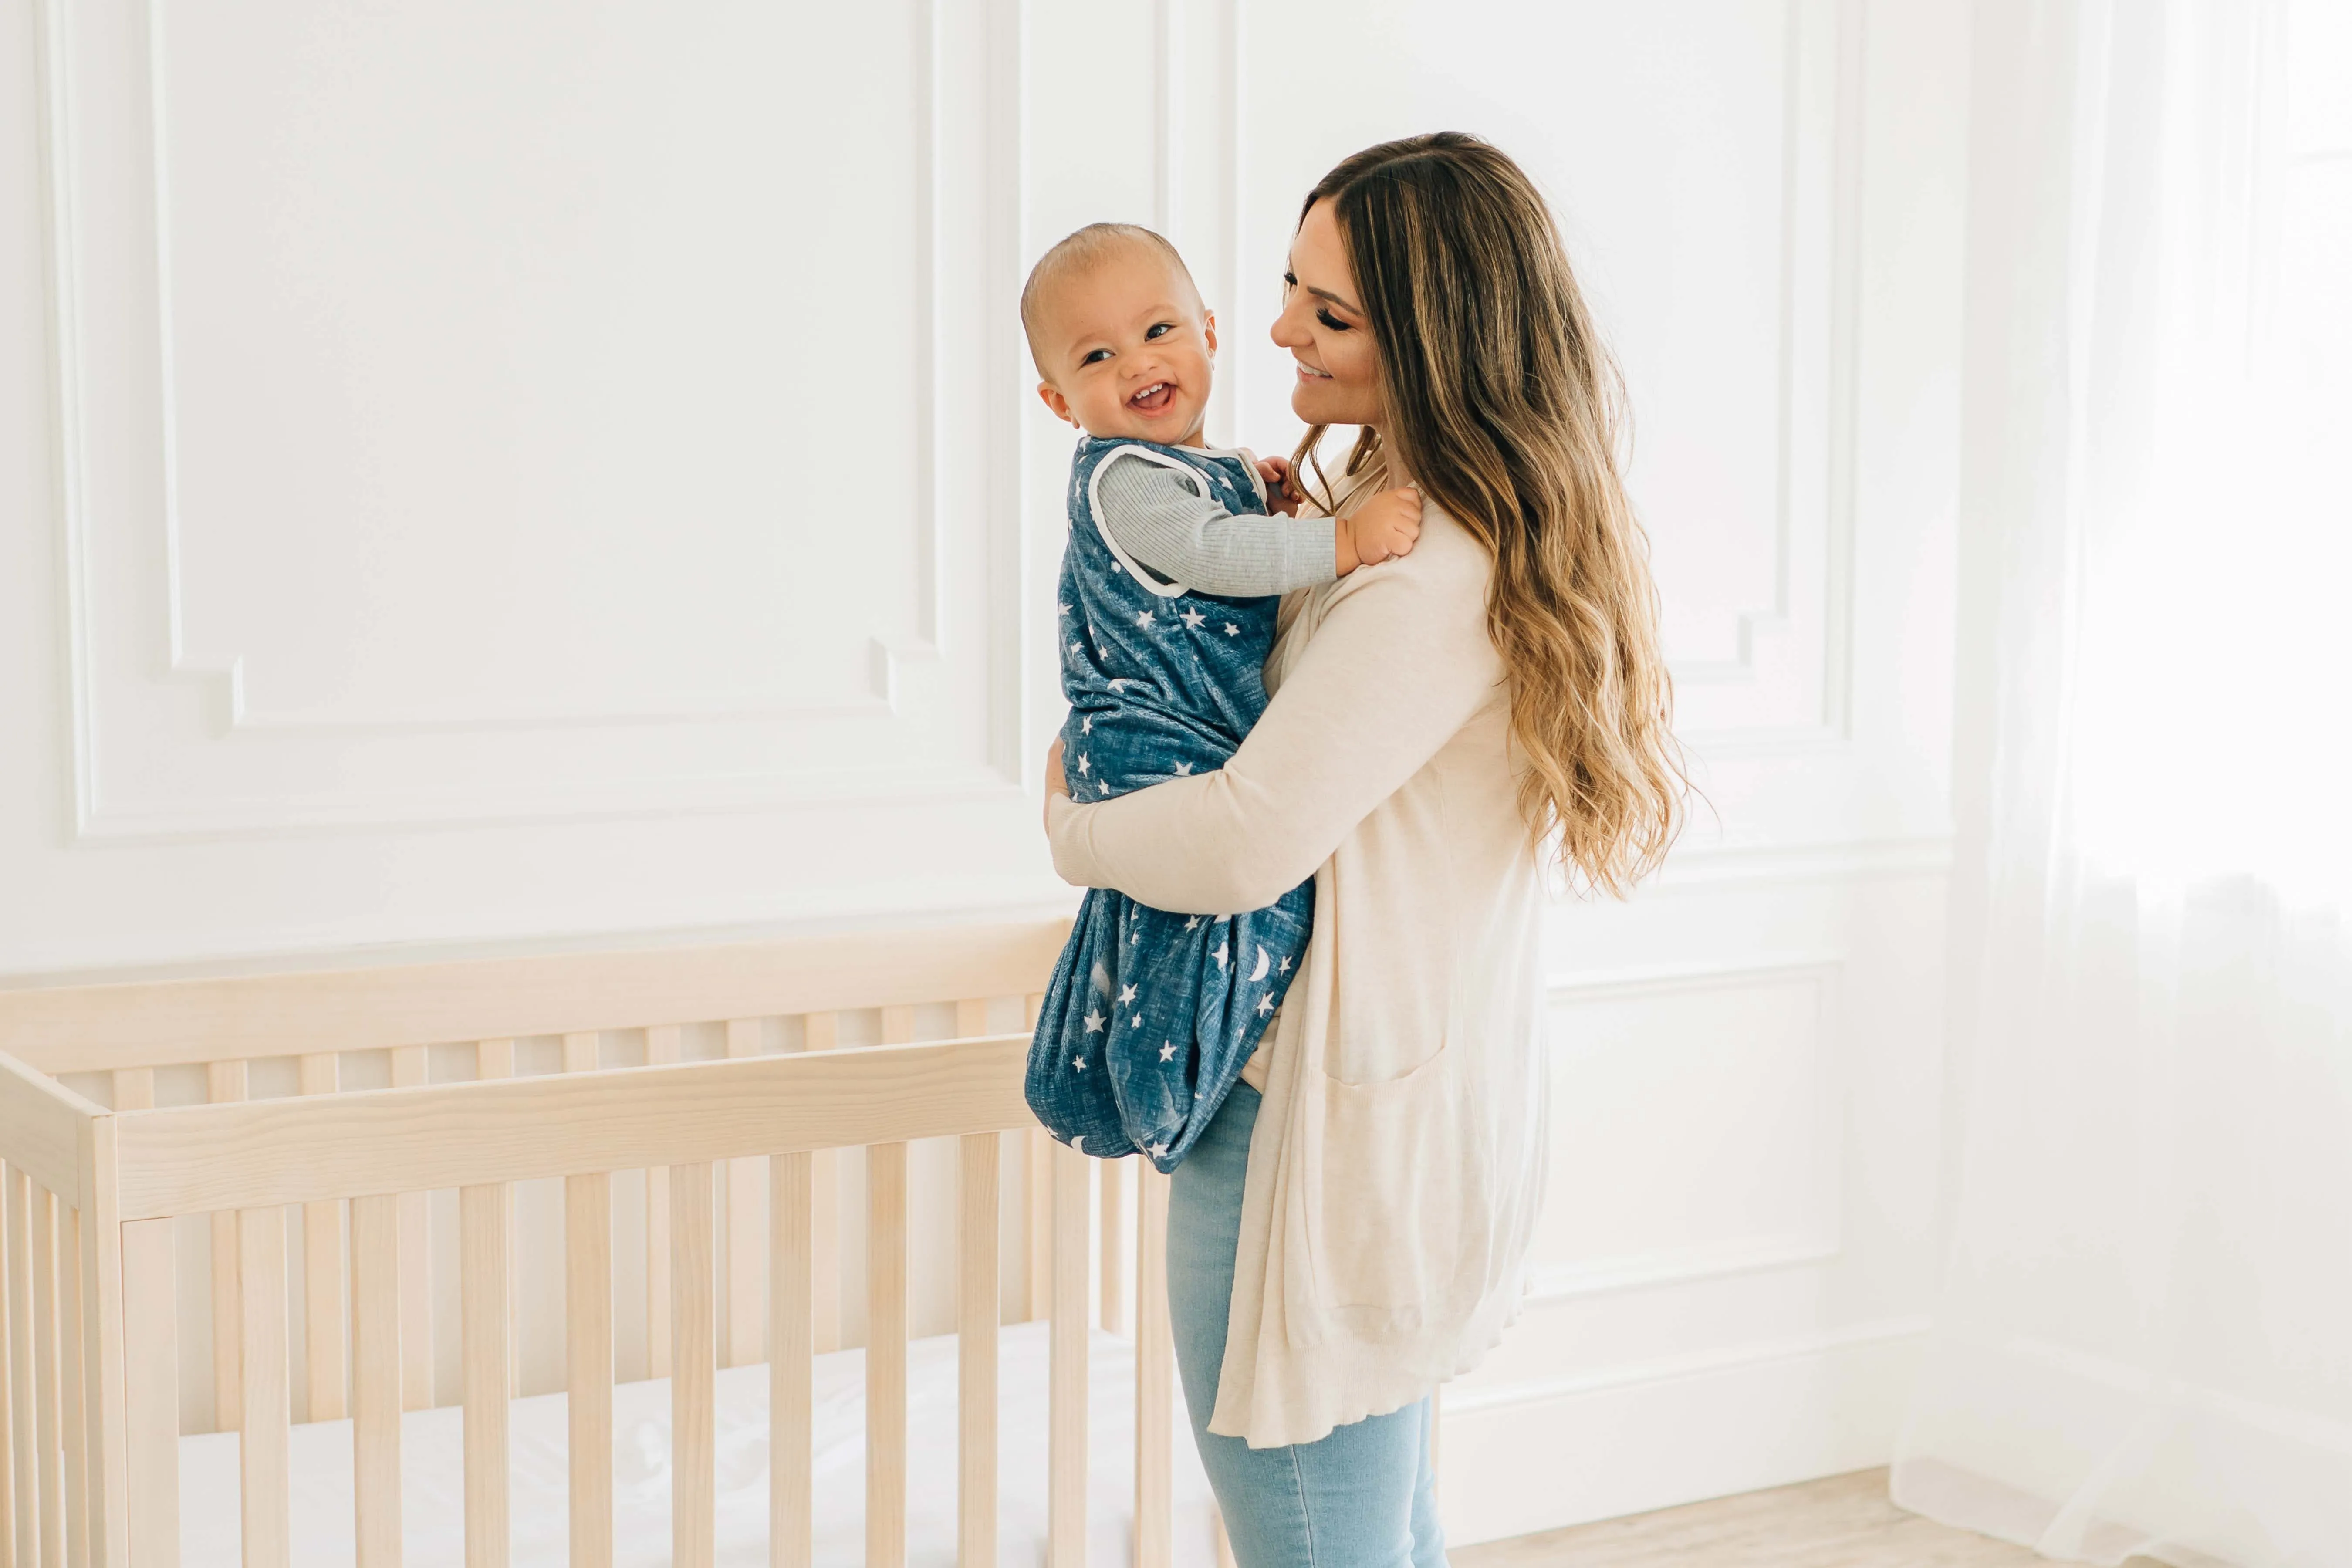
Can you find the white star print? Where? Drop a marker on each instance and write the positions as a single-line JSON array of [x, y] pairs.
[[1286, 967], [1087, 725], [1193, 619], [1159, 1151], [1094, 1022], [1125, 995], [1143, 619], [1136, 1022], [1080, 1063], [1168, 1053], [1083, 766], [1265, 1005], [1183, 770], [1076, 648], [1220, 955], [1192, 924], [1065, 609], [1231, 630]]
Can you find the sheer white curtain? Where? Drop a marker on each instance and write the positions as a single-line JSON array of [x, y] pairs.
[[2143, 1339]]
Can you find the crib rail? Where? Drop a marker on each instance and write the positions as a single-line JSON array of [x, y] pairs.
[[253, 1159]]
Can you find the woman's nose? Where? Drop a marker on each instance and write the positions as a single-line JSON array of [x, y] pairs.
[[1284, 333]]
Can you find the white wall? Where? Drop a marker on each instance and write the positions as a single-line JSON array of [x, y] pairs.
[[503, 474]]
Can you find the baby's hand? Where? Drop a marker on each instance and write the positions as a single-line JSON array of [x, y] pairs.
[[1279, 497], [1385, 526]]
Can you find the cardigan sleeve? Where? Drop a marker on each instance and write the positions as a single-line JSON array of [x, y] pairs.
[[1400, 662]]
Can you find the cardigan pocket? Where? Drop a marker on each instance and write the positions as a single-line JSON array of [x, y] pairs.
[[1395, 1183]]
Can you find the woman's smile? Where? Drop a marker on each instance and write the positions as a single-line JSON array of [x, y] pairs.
[[1309, 372]]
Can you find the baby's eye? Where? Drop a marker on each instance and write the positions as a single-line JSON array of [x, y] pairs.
[[1330, 320], [1097, 354], [1158, 330]]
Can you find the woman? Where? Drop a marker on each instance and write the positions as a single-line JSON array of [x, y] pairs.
[[1349, 1232]]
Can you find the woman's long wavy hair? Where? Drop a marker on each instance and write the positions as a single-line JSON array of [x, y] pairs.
[[1502, 403]]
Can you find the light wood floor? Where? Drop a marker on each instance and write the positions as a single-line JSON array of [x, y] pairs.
[[1844, 1521]]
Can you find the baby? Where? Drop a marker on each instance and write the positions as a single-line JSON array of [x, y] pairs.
[[1176, 555]]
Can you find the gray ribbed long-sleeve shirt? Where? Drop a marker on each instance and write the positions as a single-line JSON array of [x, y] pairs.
[[1186, 537]]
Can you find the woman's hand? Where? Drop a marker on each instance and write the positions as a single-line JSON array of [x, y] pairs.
[[1055, 783]]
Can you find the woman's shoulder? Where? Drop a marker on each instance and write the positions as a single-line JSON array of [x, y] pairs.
[[1447, 563]]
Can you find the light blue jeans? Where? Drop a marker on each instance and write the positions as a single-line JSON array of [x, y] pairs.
[[1361, 1497]]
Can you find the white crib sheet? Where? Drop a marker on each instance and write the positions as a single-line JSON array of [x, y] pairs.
[[433, 1475]]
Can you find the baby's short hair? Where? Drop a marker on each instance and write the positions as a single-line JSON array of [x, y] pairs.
[[1080, 252]]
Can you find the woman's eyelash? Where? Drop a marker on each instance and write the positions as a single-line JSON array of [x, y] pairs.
[[1330, 320]]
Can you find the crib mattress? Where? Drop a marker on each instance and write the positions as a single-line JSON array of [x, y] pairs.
[[433, 1472]]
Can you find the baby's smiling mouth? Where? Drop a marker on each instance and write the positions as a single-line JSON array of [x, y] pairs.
[[1153, 399]]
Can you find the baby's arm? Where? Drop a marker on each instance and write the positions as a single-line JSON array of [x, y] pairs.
[[1160, 520], [1157, 517]]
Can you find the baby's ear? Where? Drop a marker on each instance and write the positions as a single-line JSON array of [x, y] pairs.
[[1209, 328], [1051, 397]]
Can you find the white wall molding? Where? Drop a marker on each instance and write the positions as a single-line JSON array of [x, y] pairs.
[[167, 743], [1812, 571], [1695, 1364], [1802, 1226]]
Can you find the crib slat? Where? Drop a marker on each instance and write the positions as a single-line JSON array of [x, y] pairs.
[[1155, 1376], [580, 1052], [134, 1088], [483, 1348], [24, 1401], [46, 1354], [73, 1373], [1038, 1153], [886, 1355], [791, 1346], [693, 1420], [8, 1446], [322, 1270], [151, 1390], [1114, 1244], [1224, 1541], [822, 1032], [1065, 1492], [100, 1234], [263, 1423], [375, 1379], [225, 1081], [662, 1045], [495, 1058], [972, 1018], [1040, 1182], [976, 1337], [588, 1362], [415, 1250], [746, 1182]]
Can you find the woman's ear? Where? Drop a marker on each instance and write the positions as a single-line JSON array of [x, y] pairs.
[[1052, 398]]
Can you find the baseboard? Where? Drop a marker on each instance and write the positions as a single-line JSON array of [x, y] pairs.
[[1517, 1460]]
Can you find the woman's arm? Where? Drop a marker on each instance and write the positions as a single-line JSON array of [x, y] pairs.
[[1400, 664]]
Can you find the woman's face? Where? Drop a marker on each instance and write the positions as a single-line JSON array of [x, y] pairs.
[[1322, 325]]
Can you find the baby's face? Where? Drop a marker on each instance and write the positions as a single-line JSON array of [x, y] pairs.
[[1126, 351]]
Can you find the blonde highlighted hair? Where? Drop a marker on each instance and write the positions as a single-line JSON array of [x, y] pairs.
[[1502, 403]]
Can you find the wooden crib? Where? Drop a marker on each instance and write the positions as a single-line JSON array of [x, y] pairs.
[[406, 1084]]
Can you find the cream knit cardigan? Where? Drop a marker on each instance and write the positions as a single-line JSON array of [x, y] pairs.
[[1398, 1160]]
